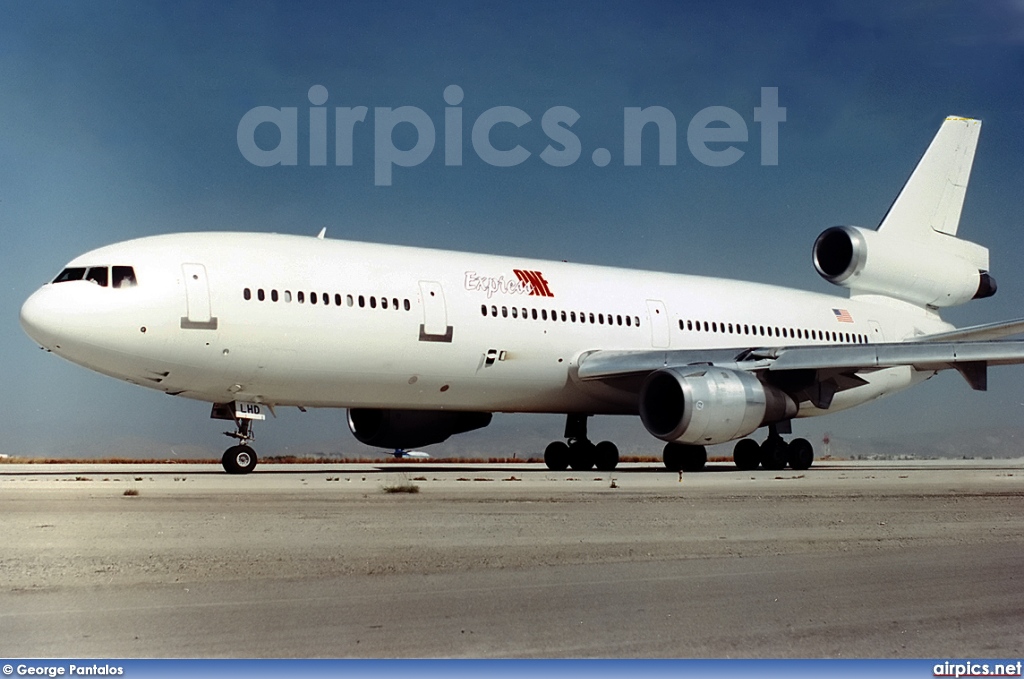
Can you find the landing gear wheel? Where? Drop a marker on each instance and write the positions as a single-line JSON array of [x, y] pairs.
[[746, 455], [774, 453], [681, 457], [672, 457], [556, 456], [694, 458], [239, 460], [801, 454], [606, 456], [581, 455]]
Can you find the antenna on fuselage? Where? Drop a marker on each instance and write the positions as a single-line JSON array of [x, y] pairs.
[[323, 232]]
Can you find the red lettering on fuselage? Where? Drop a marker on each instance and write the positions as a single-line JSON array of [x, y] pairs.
[[535, 279]]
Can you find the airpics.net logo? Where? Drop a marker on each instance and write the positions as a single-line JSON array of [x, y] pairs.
[[712, 135]]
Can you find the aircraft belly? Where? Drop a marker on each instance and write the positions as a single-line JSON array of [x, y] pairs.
[[879, 383]]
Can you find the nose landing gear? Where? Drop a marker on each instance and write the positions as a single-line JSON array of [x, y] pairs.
[[240, 459]]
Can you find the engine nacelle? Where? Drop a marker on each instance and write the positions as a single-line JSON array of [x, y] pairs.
[[709, 405], [939, 272], [385, 428]]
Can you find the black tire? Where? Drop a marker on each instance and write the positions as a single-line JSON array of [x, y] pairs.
[[682, 457], [672, 456], [746, 454], [694, 458], [774, 454], [556, 456], [581, 456], [801, 454], [606, 456], [239, 460]]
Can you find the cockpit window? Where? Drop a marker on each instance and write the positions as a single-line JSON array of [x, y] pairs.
[[124, 277], [76, 273], [98, 275]]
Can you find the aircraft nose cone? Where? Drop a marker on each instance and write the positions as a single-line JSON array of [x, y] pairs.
[[39, 319]]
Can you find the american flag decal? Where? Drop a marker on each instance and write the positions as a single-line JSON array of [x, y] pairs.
[[843, 316]]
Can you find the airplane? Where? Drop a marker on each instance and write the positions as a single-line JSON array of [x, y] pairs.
[[420, 345]]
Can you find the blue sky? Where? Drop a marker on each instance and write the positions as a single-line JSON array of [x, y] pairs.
[[119, 120]]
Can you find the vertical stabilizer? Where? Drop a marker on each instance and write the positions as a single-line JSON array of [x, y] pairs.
[[933, 197]]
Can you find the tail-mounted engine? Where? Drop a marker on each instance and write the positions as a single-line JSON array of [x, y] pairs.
[[941, 272], [709, 405]]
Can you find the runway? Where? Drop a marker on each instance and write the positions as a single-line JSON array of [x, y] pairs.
[[848, 559]]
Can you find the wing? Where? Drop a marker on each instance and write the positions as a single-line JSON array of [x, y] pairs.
[[814, 373]]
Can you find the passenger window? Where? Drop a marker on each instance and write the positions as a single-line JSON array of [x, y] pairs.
[[362, 301], [273, 295], [494, 311], [124, 277], [349, 301], [544, 314], [373, 302], [302, 297], [288, 295], [312, 298], [515, 312], [337, 299], [327, 299], [504, 312], [533, 314], [592, 319], [407, 305], [260, 295], [394, 303], [483, 309], [247, 294], [98, 275], [71, 274]]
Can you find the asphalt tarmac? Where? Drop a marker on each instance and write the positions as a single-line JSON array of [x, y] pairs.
[[847, 559]]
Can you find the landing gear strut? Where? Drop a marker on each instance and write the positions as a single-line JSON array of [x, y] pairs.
[[578, 452], [774, 453], [240, 459]]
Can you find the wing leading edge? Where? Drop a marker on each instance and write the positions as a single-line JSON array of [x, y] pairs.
[[826, 369]]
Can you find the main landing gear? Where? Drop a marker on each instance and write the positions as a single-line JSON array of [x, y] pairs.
[[774, 453], [680, 457], [578, 452]]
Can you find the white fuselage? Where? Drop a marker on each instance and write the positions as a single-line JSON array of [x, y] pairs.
[[224, 317]]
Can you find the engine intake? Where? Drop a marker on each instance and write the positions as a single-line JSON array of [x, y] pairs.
[[386, 428], [709, 405]]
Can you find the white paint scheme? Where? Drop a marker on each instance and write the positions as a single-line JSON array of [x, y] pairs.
[[329, 356], [187, 329]]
